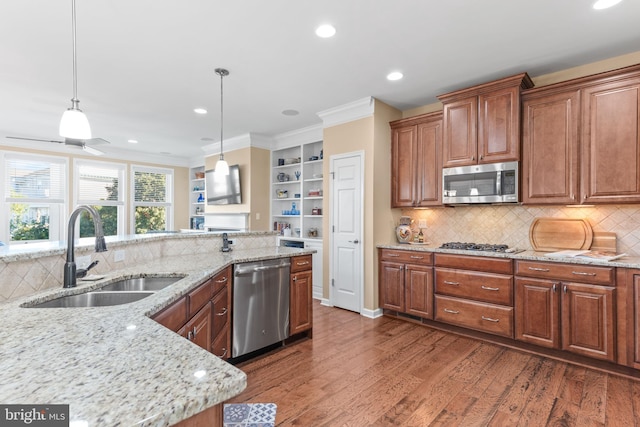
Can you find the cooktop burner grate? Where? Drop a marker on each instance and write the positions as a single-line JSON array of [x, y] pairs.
[[474, 247]]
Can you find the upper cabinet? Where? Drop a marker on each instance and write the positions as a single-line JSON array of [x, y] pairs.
[[481, 124], [581, 140], [416, 164]]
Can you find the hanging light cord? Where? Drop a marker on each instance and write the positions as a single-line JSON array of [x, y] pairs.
[[221, 72], [74, 100]]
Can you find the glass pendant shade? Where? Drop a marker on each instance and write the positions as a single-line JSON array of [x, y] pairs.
[[222, 167], [74, 125]]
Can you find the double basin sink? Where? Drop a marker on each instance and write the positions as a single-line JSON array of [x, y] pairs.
[[119, 292]]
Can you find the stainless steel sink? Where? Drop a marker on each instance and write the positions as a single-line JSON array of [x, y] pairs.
[[93, 299], [140, 284]]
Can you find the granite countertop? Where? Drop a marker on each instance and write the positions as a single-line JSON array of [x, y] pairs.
[[625, 262], [114, 365]]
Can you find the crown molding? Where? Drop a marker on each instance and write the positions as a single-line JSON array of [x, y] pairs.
[[238, 142], [348, 112], [297, 137]]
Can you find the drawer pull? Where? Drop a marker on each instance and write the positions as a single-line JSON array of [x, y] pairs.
[[490, 319], [446, 282], [487, 288], [446, 310], [223, 312], [393, 255], [302, 263], [224, 354], [416, 257], [582, 273], [546, 270], [223, 280]]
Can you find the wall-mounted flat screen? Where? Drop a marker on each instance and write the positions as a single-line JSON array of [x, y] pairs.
[[223, 190]]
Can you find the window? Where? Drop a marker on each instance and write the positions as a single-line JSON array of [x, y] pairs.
[[152, 190], [102, 186], [34, 195]]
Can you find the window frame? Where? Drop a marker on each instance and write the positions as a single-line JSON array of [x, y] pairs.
[[58, 207], [122, 190], [169, 204]]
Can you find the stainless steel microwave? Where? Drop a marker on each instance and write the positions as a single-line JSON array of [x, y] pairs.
[[488, 183]]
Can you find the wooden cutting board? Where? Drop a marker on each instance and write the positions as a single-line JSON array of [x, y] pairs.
[[554, 234], [604, 241]]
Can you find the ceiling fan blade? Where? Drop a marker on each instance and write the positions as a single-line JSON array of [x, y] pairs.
[[34, 139], [80, 142], [92, 150], [97, 141]]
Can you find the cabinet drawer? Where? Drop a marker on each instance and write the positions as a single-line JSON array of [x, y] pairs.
[[301, 263], [568, 272], [488, 287], [220, 345], [483, 317], [412, 257], [476, 263], [220, 312], [174, 316], [221, 279], [199, 296]]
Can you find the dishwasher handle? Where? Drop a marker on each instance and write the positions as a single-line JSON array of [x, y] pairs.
[[259, 268]]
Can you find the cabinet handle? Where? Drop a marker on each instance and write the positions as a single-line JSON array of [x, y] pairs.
[[481, 157], [393, 255], [223, 312], [582, 273], [490, 319], [564, 289], [554, 288], [295, 278], [195, 332], [473, 157], [487, 288], [224, 354], [190, 336], [446, 282], [416, 257], [446, 310], [224, 279], [302, 263], [546, 270]]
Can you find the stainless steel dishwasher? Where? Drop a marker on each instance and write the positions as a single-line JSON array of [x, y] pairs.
[[260, 305]]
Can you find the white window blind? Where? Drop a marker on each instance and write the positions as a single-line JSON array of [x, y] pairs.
[[100, 183], [33, 179]]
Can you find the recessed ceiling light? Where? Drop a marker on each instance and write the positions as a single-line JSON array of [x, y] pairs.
[[396, 75], [605, 4], [291, 112], [132, 141], [325, 31], [200, 110]]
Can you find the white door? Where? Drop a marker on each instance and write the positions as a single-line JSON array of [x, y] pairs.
[[346, 200]]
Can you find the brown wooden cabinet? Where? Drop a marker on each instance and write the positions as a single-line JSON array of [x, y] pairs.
[[475, 292], [416, 162], [550, 160], [198, 328], [481, 124], [555, 312], [406, 282], [300, 295]]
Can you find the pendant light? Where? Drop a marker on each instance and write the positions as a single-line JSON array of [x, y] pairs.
[[74, 124], [222, 167]]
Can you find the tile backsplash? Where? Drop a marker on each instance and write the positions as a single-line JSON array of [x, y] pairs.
[[509, 225]]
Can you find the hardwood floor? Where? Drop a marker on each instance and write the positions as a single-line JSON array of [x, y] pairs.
[[387, 372]]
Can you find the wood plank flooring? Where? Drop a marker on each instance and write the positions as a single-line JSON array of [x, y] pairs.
[[387, 372]]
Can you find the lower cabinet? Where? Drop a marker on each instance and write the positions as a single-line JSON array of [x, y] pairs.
[[300, 295], [406, 282], [557, 313], [198, 328]]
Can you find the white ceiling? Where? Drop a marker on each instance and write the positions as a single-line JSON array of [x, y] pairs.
[[144, 65]]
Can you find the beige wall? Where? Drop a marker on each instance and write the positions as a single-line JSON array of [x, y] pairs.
[[180, 175], [254, 165]]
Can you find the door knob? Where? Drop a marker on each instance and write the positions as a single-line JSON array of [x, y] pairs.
[[354, 241]]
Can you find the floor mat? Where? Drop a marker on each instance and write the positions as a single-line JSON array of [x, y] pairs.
[[250, 414]]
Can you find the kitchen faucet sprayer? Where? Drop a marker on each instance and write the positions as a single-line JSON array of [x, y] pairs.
[[100, 246]]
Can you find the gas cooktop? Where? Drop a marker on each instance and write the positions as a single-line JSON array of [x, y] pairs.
[[476, 247]]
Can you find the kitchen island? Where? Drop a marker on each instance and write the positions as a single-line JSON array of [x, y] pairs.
[[114, 365]]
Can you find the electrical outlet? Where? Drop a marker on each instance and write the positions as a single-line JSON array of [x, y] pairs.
[[257, 216], [119, 255], [422, 223], [230, 242], [83, 261]]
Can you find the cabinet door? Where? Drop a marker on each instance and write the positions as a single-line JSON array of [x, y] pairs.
[[198, 328], [429, 164], [538, 312], [220, 313], [404, 157], [611, 142], [419, 290], [300, 307], [460, 141], [391, 284], [588, 321], [550, 149], [221, 345], [499, 126]]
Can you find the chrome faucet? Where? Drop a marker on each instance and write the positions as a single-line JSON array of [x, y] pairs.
[[101, 246]]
